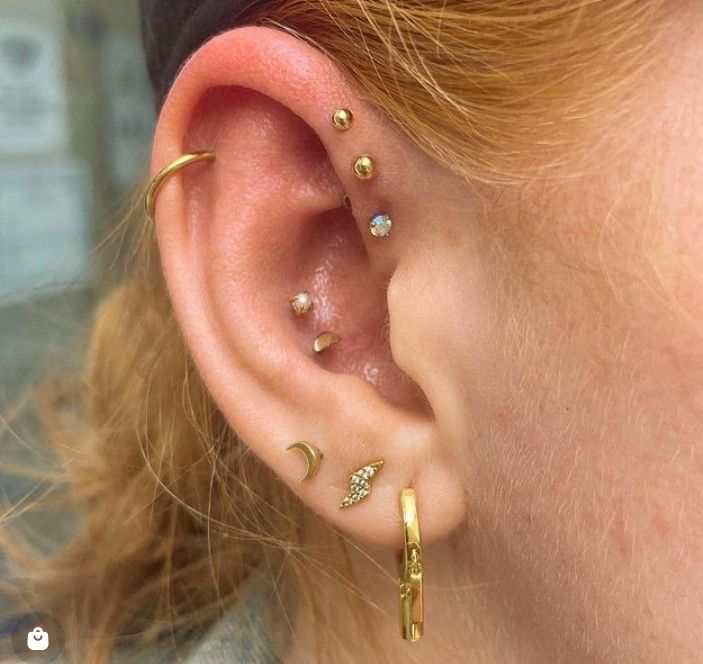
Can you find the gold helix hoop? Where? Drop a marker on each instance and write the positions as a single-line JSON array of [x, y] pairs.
[[410, 567], [164, 175]]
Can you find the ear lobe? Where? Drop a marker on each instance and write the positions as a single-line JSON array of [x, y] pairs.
[[267, 220]]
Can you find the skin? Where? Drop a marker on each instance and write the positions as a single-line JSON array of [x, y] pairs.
[[529, 359]]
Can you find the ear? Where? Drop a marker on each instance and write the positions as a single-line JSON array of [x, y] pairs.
[[239, 236]]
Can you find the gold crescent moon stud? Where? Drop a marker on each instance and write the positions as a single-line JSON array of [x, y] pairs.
[[312, 455]]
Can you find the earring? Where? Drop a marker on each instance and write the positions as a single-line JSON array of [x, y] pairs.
[[342, 119], [364, 167], [301, 303], [325, 340], [410, 582], [312, 455], [380, 225], [360, 481], [164, 175]]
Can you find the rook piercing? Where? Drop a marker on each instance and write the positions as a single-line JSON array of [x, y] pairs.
[[312, 455], [342, 119], [301, 303], [364, 167], [380, 225], [360, 481], [412, 619], [164, 175], [325, 340]]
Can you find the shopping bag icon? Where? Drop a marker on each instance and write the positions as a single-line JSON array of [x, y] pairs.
[[38, 639]]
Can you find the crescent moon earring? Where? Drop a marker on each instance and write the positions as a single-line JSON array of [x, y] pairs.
[[312, 455]]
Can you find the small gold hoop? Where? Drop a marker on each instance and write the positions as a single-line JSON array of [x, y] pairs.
[[173, 168], [412, 615]]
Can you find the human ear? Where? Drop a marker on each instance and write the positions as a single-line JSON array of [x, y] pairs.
[[266, 220]]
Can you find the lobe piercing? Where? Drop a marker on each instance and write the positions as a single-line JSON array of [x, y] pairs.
[[342, 119], [380, 225], [411, 570], [325, 340], [360, 484], [364, 167], [301, 303], [312, 455]]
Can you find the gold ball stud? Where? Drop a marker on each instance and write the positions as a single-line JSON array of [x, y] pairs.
[[342, 119], [364, 167]]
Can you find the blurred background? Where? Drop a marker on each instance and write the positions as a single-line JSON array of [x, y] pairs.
[[76, 120]]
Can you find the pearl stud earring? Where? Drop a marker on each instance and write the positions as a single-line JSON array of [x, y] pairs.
[[301, 303]]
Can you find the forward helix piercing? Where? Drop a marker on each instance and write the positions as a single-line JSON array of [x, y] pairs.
[[325, 340], [410, 567], [301, 303], [312, 455], [166, 173], [342, 119], [364, 167]]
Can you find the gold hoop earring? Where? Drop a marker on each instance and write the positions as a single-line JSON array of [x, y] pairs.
[[164, 175], [412, 617]]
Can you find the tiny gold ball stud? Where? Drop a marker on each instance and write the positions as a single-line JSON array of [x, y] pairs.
[[364, 167], [342, 119]]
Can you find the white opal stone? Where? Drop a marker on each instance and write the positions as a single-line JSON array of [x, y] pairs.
[[380, 225]]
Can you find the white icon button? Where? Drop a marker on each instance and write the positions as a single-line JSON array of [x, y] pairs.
[[38, 639]]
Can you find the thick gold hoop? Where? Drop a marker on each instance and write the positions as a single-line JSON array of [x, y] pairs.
[[412, 613], [164, 175]]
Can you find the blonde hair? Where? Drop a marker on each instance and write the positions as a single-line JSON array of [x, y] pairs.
[[174, 511]]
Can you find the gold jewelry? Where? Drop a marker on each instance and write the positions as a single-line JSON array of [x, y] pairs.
[[312, 455], [301, 303], [325, 340], [380, 225], [412, 618], [173, 168], [364, 167], [360, 481], [342, 119]]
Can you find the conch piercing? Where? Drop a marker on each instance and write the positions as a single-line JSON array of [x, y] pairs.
[[412, 619], [380, 225], [342, 119], [364, 167], [325, 340], [312, 455], [301, 303], [165, 174], [360, 481]]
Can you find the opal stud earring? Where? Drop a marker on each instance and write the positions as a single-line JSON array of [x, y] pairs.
[[380, 225], [360, 484], [325, 340], [301, 303], [364, 167], [342, 119]]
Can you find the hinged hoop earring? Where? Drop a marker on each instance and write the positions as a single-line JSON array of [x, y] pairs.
[[412, 615], [165, 174]]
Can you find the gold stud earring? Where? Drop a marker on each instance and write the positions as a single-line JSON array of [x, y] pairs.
[[342, 119], [313, 457], [410, 567], [360, 484], [380, 225], [325, 340], [301, 303], [364, 167]]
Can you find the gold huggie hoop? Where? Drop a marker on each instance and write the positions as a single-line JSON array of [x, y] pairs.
[[412, 616], [166, 173]]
